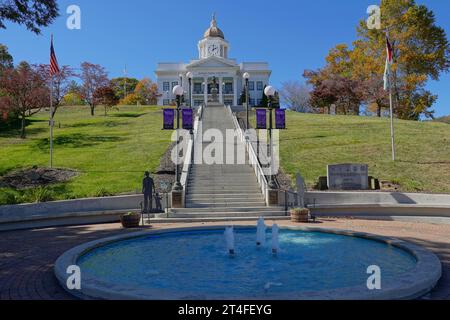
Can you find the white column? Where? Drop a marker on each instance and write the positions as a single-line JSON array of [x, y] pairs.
[[205, 88], [235, 100], [220, 90]]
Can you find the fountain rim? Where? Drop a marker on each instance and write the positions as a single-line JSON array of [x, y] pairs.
[[411, 285]]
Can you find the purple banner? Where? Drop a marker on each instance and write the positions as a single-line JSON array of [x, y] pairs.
[[280, 119], [169, 119], [261, 119], [188, 119]]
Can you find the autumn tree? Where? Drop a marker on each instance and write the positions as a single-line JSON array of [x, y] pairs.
[[25, 92], [147, 92], [34, 14], [61, 83], [106, 96], [93, 77], [421, 52]]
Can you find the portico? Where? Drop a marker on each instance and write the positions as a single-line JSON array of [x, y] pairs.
[[213, 63]]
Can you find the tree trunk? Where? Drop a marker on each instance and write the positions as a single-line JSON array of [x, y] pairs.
[[378, 111], [22, 129], [105, 112], [92, 110]]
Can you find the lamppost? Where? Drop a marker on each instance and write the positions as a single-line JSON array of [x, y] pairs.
[[189, 76], [246, 76], [178, 91], [270, 92]]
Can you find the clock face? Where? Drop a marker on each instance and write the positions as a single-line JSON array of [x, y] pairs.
[[213, 50]]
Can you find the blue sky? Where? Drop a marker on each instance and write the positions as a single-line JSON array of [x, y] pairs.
[[292, 35]]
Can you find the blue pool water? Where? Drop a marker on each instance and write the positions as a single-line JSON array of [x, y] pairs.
[[197, 262]]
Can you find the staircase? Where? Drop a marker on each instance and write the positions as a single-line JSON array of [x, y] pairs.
[[223, 191]]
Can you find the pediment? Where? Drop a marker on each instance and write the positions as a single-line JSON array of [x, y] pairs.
[[213, 62]]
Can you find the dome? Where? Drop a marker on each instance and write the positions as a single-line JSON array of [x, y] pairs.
[[214, 31]]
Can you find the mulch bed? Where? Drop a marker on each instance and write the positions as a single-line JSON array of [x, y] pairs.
[[36, 177]]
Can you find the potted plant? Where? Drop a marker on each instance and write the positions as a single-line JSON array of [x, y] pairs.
[[300, 215], [130, 220]]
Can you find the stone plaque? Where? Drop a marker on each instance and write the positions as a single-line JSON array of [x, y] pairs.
[[348, 177]]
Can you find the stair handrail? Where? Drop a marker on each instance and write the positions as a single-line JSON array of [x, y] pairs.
[[190, 150], [252, 155]]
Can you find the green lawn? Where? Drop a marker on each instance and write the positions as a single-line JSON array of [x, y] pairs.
[[111, 153], [314, 141]]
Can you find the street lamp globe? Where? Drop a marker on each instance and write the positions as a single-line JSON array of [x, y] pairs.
[[269, 91], [189, 75], [178, 91], [246, 76]]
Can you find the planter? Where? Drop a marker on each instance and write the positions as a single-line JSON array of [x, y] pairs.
[[300, 215], [130, 220]]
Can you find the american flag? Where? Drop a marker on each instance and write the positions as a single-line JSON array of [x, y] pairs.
[[389, 61], [54, 68]]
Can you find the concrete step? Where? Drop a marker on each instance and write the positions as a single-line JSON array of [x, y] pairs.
[[226, 204], [227, 197], [162, 219], [222, 184], [227, 215], [218, 190], [229, 209]]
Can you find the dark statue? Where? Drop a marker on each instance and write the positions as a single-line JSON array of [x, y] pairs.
[[148, 186]]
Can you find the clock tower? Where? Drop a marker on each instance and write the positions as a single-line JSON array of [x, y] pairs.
[[213, 43]]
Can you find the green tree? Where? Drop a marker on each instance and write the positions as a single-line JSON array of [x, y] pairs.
[[6, 60], [124, 86], [34, 14], [264, 100]]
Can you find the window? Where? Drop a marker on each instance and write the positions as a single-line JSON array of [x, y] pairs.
[[228, 88], [166, 102], [198, 88], [228, 102], [166, 86], [251, 102], [258, 102], [251, 85], [174, 84], [260, 86]]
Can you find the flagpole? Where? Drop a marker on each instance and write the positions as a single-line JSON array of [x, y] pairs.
[[389, 81], [51, 123], [51, 115], [392, 120]]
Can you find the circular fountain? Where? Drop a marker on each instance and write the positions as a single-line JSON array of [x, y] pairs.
[[295, 263]]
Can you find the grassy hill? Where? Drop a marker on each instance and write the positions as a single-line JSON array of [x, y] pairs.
[[423, 149], [111, 153]]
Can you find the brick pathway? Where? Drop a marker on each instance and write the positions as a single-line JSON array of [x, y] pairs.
[[27, 257]]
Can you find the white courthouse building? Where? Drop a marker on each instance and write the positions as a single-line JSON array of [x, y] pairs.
[[213, 63]]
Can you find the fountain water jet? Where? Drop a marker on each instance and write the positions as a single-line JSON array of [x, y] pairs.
[[229, 238], [275, 239], [261, 233]]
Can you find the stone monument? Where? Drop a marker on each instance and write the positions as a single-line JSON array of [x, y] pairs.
[[348, 177], [301, 190], [214, 91]]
